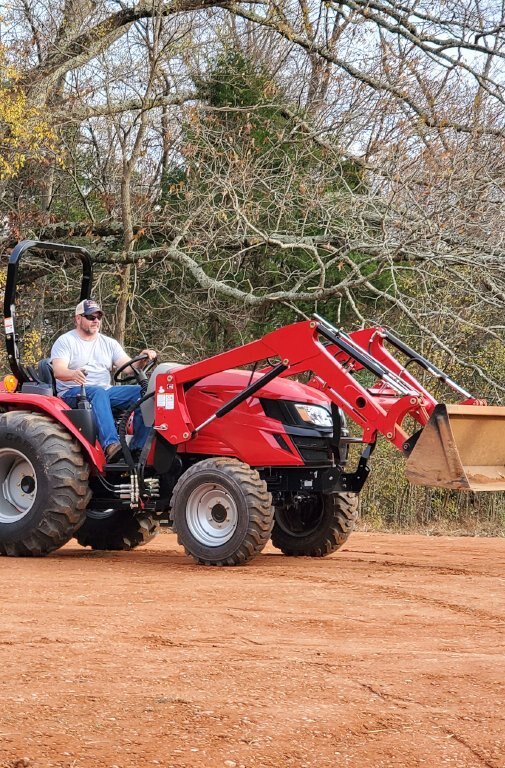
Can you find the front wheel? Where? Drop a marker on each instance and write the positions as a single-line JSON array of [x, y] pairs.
[[222, 512], [44, 487], [314, 524]]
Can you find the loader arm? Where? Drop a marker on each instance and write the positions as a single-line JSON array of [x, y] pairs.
[[302, 347]]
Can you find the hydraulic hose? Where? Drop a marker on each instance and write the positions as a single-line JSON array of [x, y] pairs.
[[122, 431]]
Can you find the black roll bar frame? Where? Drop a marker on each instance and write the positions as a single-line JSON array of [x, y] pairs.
[[11, 344]]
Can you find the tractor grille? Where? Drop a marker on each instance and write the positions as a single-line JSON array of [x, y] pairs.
[[313, 450]]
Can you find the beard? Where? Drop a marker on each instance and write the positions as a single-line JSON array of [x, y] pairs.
[[89, 330]]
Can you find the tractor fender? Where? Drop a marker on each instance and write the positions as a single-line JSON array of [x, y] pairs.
[[56, 409], [147, 407]]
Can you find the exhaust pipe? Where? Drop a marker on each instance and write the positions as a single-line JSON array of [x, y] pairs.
[[462, 448]]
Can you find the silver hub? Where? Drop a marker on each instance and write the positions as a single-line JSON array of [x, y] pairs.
[[211, 514], [18, 483]]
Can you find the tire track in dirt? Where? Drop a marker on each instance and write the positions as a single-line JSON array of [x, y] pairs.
[[342, 580], [487, 762], [496, 622]]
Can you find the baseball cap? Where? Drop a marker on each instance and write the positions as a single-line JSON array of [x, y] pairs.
[[88, 307]]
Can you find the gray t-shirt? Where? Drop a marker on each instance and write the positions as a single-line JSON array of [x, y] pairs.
[[96, 357]]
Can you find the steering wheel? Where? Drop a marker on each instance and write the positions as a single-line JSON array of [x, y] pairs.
[[138, 375]]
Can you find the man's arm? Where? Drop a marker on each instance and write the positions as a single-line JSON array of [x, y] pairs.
[[64, 373]]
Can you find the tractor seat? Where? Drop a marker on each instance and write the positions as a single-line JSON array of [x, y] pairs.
[[43, 382], [45, 373]]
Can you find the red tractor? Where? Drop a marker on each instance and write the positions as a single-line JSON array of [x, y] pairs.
[[236, 455]]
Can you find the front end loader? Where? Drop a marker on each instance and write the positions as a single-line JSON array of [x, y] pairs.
[[240, 450]]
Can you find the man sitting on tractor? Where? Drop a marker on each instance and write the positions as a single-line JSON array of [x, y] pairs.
[[84, 356]]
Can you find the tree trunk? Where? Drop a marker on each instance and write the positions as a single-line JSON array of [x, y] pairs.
[[125, 271], [122, 305]]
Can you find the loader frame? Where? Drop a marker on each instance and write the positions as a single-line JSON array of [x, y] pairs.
[[333, 358]]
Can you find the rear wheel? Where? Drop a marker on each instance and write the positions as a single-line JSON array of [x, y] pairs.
[[43, 485], [222, 512], [117, 530], [314, 524]]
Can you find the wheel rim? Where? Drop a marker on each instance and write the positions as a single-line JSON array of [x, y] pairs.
[[211, 514], [18, 483]]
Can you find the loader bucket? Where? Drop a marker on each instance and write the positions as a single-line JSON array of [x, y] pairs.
[[462, 447]]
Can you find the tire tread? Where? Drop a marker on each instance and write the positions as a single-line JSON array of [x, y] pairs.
[[69, 491], [337, 526]]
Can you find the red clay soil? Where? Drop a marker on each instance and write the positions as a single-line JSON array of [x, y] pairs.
[[388, 653]]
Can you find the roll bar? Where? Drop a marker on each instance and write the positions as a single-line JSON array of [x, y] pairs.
[[19, 371]]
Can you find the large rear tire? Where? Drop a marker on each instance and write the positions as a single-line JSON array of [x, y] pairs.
[[116, 530], [222, 512], [44, 487], [314, 524]]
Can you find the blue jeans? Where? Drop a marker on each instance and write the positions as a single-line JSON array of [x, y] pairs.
[[103, 401]]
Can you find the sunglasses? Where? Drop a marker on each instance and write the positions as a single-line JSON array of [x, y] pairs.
[[92, 317]]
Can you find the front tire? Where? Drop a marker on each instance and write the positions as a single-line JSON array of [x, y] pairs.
[[314, 524], [116, 530], [222, 512], [44, 487]]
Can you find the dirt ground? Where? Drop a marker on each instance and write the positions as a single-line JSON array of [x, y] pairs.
[[388, 653]]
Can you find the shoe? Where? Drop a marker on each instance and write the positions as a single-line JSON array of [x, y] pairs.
[[114, 453]]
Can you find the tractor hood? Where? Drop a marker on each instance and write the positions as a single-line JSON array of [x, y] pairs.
[[226, 384], [233, 381]]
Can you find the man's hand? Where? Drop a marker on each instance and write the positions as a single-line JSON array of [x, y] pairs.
[[64, 373], [151, 355], [79, 376]]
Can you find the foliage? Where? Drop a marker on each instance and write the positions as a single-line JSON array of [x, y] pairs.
[[389, 503], [25, 133], [259, 189]]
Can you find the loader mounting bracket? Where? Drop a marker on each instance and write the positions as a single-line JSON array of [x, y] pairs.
[[322, 479], [354, 481]]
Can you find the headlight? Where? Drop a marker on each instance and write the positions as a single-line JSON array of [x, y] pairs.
[[314, 414]]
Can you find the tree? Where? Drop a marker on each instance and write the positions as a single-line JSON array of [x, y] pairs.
[[392, 182]]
